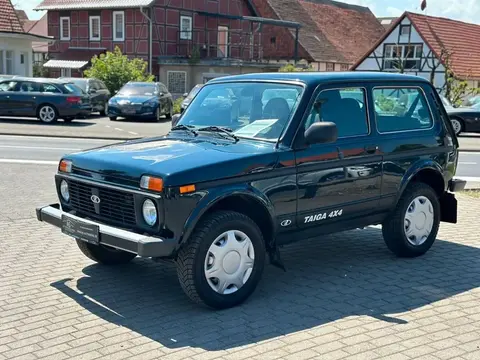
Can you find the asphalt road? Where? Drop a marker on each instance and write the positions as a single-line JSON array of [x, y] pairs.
[[43, 150]]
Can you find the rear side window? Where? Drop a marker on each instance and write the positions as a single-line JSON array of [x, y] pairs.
[[74, 89], [401, 109], [345, 107], [49, 88]]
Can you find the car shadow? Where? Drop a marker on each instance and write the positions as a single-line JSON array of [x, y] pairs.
[[327, 279], [75, 123]]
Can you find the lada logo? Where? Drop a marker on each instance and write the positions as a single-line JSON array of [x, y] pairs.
[[95, 199], [286, 222]]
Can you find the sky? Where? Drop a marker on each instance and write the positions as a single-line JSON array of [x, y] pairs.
[[464, 10]]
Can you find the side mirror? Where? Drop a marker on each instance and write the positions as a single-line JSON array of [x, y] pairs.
[[175, 119], [321, 133], [185, 95]]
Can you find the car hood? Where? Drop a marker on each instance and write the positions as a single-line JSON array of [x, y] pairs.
[[177, 160], [461, 110], [132, 99]]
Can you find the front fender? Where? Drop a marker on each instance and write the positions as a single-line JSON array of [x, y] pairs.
[[214, 196], [414, 170]]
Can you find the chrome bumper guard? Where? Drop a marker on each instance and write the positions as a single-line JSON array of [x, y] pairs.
[[142, 245]]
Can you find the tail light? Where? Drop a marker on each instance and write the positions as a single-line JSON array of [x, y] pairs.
[[74, 99]]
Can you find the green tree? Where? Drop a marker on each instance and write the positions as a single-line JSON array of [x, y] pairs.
[[293, 68], [116, 69]]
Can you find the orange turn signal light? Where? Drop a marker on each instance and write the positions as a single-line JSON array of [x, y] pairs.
[[151, 183], [187, 189], [65, 166]]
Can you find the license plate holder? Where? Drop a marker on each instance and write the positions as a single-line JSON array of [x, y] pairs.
[[80, 230], [129, 111]]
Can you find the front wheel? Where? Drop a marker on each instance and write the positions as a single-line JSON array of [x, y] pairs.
[[104, 254], [457, 126], [169, 114], [412, 228], [112, 118], [223, 262]]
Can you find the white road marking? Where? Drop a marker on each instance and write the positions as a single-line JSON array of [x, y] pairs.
[[133, 133], [118, 129], [44, 138], [22, 161], [107, 126], [36, 147], [468, 178], [466, 153], [467, 163]]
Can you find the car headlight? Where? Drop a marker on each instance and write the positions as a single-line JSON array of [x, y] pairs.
[[150, 103], [112, 101], [64, 191], [149, 212]]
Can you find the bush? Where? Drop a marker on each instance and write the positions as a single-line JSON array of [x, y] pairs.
[[116, 69], [292, 68], [177, 105]]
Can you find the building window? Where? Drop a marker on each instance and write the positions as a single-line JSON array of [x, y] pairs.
[[9, 62], [405, 30], [406, 57], [2, 71], [65, 28], [222, 42], [94, 28], [66, 72], [330, 67], [185, 28], [118, 26], [177, 82], [344, 67], [22, 59]]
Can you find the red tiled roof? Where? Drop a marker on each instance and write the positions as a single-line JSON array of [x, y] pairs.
[[331, 31], [8, 18], [460, 38], [22, 15], [350, 29]]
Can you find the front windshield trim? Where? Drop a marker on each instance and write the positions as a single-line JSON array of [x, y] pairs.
[[299, 83]]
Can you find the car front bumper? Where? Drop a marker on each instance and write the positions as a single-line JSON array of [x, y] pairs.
[[113, 110], [456, 185], [142, 245]]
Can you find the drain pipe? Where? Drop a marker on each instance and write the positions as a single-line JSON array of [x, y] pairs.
[[150, 40]]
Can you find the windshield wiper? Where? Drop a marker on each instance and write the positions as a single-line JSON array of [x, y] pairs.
[[221, 130], [188, 128]]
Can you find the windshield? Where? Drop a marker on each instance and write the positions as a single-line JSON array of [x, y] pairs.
[[138, 89], [82, 84], [193, 92], [253, 110], [74, 89]]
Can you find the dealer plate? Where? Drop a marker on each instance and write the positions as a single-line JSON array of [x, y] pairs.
[[80, 230]]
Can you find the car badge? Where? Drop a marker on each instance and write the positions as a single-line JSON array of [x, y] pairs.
[[95, 199]]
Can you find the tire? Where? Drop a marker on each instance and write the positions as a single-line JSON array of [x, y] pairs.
[[194, 258], [396, 226], [47, 114], [157, 115], [104, 111], [105, 255], [112, 118], [457, 125], [169, 114]]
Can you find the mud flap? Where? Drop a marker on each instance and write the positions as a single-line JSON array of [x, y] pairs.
[[448, 208], [275, 259]]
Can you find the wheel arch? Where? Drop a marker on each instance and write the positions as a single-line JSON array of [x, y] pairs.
[[249, 202], [429, 173]]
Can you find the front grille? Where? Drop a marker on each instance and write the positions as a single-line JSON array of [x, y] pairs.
[[115, 206]]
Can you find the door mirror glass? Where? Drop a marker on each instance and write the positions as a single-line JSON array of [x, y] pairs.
[[321, 133]]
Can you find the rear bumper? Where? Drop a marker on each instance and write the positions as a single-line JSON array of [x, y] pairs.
[[142, 245], [456, 185]]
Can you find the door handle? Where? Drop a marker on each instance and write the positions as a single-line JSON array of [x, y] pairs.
[[371, 149]]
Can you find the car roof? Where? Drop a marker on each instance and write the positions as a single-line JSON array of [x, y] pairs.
[[316, 78], [142, 83], [74, 78], [42, 80]]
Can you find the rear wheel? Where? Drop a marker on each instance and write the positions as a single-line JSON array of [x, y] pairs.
[[104, 111], [104, 254], [413, 226], [47, 114], [223, 262]]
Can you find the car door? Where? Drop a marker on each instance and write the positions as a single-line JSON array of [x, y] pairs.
[[6, 91], [163, 97], [340, 181], [96, 97], [24, 99]]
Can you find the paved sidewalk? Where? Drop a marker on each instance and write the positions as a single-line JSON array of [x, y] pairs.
[[343, 297]]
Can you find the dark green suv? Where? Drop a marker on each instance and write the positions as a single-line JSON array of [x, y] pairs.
[[227, 187]]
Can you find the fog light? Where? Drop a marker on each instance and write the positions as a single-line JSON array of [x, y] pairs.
[[149, 212], [64, 191]]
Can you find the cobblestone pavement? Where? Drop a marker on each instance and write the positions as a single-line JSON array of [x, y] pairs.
[[343, 296]]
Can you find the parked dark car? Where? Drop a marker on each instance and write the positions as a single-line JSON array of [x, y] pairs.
[[96, 89], [141, 100], [189, 96], [222, 190], [46, 99], [465, 119]]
